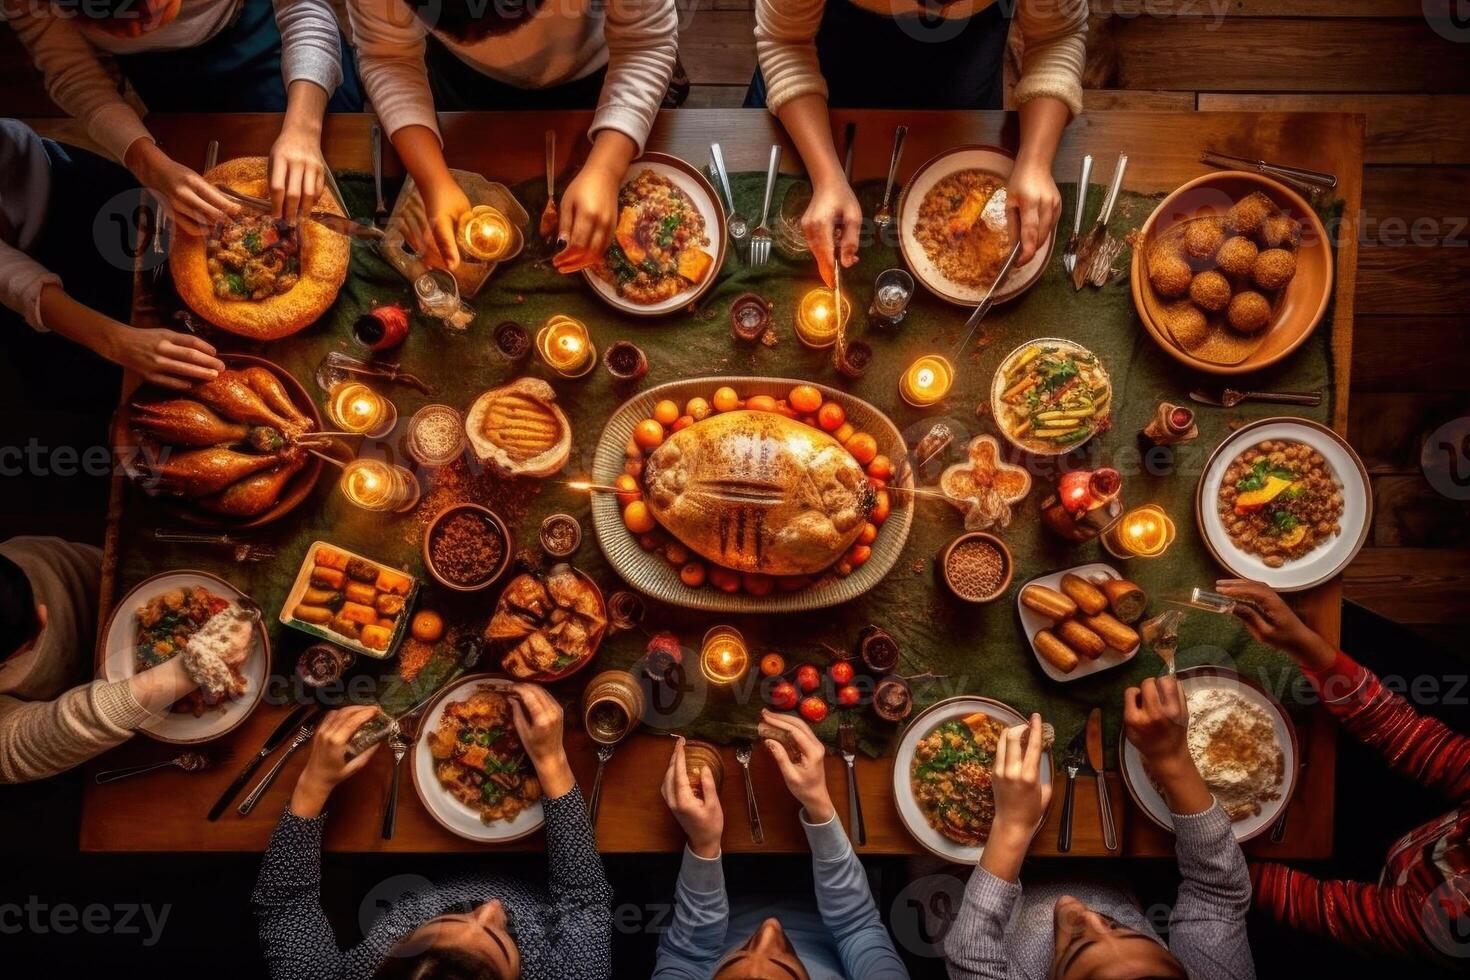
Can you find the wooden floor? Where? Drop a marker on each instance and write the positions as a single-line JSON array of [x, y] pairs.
[[1411, 359]]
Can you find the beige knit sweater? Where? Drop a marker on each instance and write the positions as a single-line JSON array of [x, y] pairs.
[[1052, 32], [47, 724]]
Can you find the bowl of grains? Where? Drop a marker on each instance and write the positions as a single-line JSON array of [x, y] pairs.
[[977, 567], [467, 547]]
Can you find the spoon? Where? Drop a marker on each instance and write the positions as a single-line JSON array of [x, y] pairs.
[[604, 753], [884, 216], [548, 214], [736, 224], [187, 761]]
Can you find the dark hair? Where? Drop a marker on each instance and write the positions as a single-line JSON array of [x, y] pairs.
[[474, 20], [435, 963], [17, 607]]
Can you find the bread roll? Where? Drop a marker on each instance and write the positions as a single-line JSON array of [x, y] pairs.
[[1048, 602], [1055, 652], [1126, 599], [1081, 639], [1087, 596], [1118, 635]]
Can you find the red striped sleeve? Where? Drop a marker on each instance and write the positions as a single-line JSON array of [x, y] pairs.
[[1380, 919]]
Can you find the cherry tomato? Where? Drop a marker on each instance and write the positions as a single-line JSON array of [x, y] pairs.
[[841, 672], [864, 448], [724, 579], [683, 422], [648, 434], [805, 399], [638, 518], [692, 574], [758, 584], [676, 553], [783, 408], [726, 400], [628, 490], [848, 695], [652, 541], [783, 695], [793, 583], [881, 509], [844, 432], [760, 403], [869, 534], [697, 409], [814, 710], [858, 554], [772, 665], [881, 468], [808, 678], [843, 569], [666, 411], [831, 416]]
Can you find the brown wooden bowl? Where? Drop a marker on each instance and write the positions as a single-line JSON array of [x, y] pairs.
[[126, 439], [1006, 558], [1301, 303], [489, 516]]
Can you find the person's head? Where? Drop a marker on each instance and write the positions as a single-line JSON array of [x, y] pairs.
[[475, 945], [766, 955], [20, 618], [474, 20], [1093, 946]]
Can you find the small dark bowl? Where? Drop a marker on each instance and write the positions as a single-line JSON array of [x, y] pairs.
[[490, 517], [1007, 561]]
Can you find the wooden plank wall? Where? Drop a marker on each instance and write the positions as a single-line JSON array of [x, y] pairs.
[[1411, 357]]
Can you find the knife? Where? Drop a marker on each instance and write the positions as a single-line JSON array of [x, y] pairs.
[[1069, 254], [350, 227], [289, 723], [989, 300], [1229, 397], [380, 208], [1095, 763], [303, 735], [1098, 231], [1072, 762]]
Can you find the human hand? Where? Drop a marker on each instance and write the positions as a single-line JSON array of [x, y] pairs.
[[1032, 193], [1271, 621], [833, 206], [701, 817], [327, 765], [298, 172], [805, 777], [162, 357], [434, 233], [538, 721], [196, 204], [1156, 721], [588, 212], [1021, 798]]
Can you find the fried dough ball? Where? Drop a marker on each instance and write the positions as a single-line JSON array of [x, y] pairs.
[[1203, 236], [1187, 325], [1169, 274], [1246, 215], [1249, 311], [1281, 231], [1273, 268], [1236, 256], [1210, 291]]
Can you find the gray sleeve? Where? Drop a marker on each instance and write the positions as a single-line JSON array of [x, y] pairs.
[[694, 941], [311, 47], [975, 948], [1207, 928]]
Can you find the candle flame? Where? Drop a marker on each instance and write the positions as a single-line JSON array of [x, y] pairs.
[[580, 485], [925, 378]]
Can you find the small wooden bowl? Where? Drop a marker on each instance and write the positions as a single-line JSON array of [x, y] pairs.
[[489, 516], [1303, 300], [1007, 561]]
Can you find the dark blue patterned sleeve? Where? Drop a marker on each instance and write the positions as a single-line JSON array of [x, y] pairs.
[[580, 893], [295, 936]]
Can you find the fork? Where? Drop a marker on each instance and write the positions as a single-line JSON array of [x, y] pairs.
[[742, 756], [883, 217], [241, 551], [847, 744], [737, 226], [398, 745], [604, 754], [187, 761], [760, 239], [1069, 255]]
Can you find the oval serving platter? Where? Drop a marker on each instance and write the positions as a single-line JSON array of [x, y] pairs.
[[650, 574]]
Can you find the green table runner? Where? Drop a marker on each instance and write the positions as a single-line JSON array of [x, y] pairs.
[[978, 650]]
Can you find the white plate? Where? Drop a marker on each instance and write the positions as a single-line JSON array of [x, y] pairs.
[[1324, 561], [1135, 776], [994, 161], [903, 794], [119, 644], [694, 185], [1033, 622], [451, 814]]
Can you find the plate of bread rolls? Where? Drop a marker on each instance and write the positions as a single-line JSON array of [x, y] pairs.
[[1081, 620]]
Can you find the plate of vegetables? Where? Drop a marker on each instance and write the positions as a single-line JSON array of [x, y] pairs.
[[1050, 396]]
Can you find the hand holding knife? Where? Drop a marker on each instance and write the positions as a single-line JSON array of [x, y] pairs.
[[288, 724]]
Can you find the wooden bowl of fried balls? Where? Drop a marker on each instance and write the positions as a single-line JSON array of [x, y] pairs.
[[1236, 252]]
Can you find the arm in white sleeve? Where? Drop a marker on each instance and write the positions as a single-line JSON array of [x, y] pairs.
[[1054, 39], [311, 48], [42, 738], [75, 76], [21, 280], [642, 46], [786, 47], [390, 57]]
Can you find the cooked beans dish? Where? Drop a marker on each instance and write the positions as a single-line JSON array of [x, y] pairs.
[[1279, 500]]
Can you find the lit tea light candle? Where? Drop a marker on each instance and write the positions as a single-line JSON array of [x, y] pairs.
[[817, 319], [354, 407], [484, 233], [563, 343], [926, 381], [723, 656], [375, 485], [1144, 532]]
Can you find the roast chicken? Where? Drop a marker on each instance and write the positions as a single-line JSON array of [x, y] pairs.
[[758, 492], [200, 472], [185, 422], [256, 493], [273, 393], [231, 394]]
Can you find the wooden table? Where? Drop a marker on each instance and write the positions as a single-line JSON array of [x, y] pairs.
[[165, 812]]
